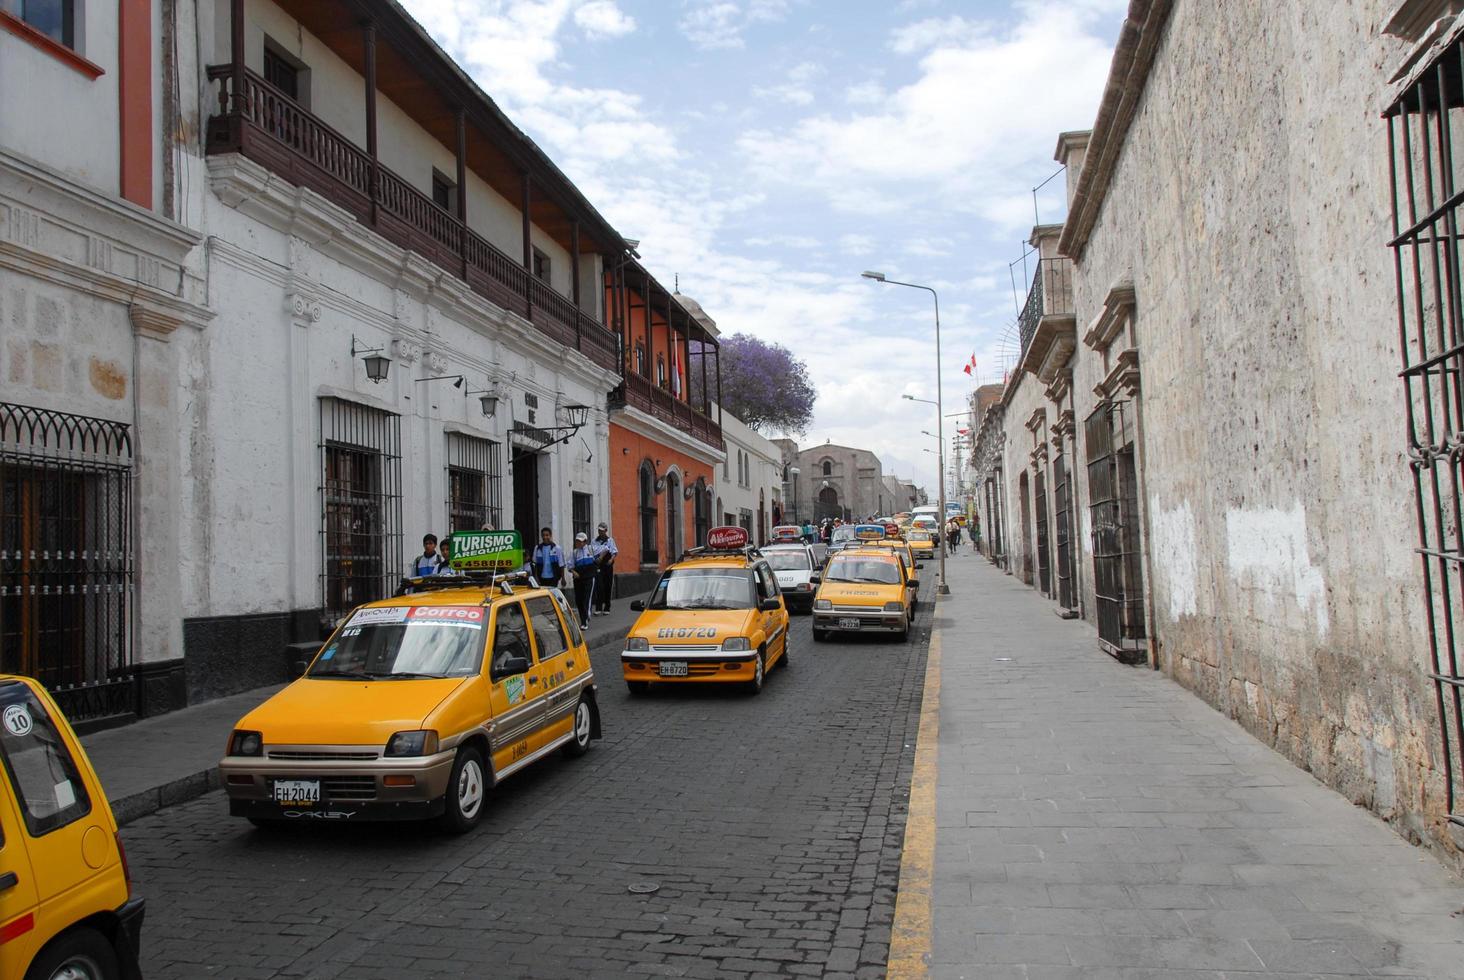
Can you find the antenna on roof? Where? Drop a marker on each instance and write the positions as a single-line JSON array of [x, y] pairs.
[[676, 282]]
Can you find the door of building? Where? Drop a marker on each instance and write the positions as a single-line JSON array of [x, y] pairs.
[[526, 495]]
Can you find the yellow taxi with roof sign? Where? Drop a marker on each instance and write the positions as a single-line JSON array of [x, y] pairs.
[[864, 590], [418, 705], [66, 903], [716, 615], [923, 534]]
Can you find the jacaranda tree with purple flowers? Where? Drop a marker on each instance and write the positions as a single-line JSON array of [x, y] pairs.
[[763, 384]]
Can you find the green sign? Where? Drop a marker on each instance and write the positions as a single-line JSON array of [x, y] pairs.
[[486, 551]]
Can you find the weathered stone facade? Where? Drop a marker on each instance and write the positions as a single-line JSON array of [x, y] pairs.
[[1226, 397]]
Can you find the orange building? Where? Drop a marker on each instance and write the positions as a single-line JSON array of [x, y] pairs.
[[665, 443]]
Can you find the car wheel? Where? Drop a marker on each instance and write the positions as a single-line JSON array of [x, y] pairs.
[[819, 635], [467, 791], [759, 669], [637, 688], [82, 954], [584, 723]]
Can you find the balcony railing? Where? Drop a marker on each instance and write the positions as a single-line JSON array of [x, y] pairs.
[[276, 132], [656, 401], [1051, 295]]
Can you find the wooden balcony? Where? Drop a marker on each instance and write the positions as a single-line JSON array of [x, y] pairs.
[[275, 131], [639, 392]]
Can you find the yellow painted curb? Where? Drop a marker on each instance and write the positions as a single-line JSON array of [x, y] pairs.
[[910, 934]]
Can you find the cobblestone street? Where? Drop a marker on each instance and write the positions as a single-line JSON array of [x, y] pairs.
[[771, 827]]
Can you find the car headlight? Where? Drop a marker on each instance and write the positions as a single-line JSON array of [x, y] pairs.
[[894, 607], [246, 743], [822, 604], [422, 742], [637, 644], [735, 644]]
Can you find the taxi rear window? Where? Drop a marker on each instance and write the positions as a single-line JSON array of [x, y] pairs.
[[791, 560], [38, 764], [405, 642], [882, 571]]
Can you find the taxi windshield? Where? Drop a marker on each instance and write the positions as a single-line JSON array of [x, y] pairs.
[[704, 588], [791, 560], [861, 569], [405, 643]]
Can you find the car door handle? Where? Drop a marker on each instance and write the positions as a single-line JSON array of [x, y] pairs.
[[569, 663], [8, 881], [533, 680]]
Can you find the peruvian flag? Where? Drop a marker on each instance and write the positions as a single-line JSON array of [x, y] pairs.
[[970, 365]]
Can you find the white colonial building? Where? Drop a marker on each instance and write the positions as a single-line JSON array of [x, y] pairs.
[[749, 485], [312, 297]]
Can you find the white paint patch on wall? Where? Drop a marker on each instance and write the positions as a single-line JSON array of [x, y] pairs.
[[1267, 553], [1175, 567]]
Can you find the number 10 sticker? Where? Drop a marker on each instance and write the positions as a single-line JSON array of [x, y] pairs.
[[17, 720]]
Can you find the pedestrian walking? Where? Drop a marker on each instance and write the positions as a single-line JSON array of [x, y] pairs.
[[548, 559], [585, 568], [808, 531], [426, 562], [605, 551]]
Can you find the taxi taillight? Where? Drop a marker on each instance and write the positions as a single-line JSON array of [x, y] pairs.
[[122, 853]]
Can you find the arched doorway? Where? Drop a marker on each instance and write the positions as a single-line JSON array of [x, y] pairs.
[[702, 509], [673, 516], [828, 504], [649, 556]]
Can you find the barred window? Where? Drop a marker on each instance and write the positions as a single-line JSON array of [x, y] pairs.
[[474, 483], [361, 504], [583, 508], [66, 556]]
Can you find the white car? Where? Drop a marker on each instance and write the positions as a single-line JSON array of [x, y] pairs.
[[793, 564]]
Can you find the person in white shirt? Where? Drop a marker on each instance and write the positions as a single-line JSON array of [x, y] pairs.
[[604, 549]]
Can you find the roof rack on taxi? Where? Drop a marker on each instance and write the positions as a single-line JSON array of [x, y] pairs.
[[706, 551], [486, 580]]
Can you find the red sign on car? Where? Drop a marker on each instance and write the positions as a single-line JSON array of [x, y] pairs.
[[727, 538]]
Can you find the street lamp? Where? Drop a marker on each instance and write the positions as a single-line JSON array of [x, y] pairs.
[[943, 588]]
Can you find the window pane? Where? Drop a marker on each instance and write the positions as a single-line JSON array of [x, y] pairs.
[[547, 628], [41, 770], [52, 18], [510, 635]]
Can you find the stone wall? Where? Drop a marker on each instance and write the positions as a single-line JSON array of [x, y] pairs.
[[1249, 207]]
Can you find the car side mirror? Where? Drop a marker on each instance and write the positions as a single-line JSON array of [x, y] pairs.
[[300, 667], [509, 667], [815, 579], [637, 605], [770, 605], [914, 583]]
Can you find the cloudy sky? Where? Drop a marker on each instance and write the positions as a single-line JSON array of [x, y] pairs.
[[768, 151]]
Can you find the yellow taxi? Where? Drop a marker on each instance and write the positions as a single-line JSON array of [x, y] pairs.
[[66, 903], [715, 615], [864, 590], [922, 541], [418, 705]]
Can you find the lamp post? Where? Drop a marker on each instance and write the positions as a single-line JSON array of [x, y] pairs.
[[942, 588]]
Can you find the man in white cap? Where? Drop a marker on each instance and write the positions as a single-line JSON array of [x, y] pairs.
[[605, 551], [585, 568]]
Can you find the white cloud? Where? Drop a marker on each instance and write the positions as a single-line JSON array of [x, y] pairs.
[[796, 88], [856, 244], [864, 93], [972, 132], [602, 18], [721, 23], [937, 32]]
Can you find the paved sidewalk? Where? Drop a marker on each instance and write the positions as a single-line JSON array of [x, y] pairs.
[[1099, 821], [172, 758]]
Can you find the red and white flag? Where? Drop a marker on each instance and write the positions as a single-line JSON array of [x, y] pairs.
[[970, 367]]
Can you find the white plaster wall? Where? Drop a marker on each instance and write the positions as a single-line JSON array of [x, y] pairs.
[[765, 468], [82, 140], [1025, 395], [1252, 218], [254, 506]]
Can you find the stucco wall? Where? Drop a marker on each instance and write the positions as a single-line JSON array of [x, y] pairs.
[[628, 450], [763, 479], [1279, 524], [1024, 396]]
